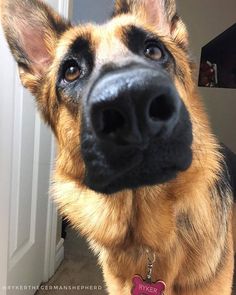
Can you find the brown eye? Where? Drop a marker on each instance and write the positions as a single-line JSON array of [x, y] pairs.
[[153, 51], [72, 73]]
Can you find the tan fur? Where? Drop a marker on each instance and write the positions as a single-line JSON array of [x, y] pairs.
[[183, 221]]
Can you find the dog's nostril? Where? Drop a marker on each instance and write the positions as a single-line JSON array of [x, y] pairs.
[[112, 121], [161, 108]]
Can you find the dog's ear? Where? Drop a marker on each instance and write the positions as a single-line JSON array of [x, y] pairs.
[[161, 14], [32, 30]]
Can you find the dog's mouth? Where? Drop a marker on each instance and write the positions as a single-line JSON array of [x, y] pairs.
[[136, 131]]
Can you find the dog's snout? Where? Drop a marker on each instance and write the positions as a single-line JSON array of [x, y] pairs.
[[130, 106]]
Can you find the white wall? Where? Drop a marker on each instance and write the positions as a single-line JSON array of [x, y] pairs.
[[92, 10], [206, 20]]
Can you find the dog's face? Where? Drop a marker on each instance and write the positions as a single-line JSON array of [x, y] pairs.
[[116, 95]]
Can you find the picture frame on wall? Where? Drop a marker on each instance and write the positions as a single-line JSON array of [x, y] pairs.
[[218, 61]]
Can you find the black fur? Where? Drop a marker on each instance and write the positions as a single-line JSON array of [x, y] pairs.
[[230, 159], [83, 54], [136, 38], [123, 8]]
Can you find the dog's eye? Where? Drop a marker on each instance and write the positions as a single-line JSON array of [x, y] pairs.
[[72, 72], [153, 51]]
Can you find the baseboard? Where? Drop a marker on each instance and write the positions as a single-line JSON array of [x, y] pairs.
[[59, 253]]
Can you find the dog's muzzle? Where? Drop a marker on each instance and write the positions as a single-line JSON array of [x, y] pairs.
[[136, 130]]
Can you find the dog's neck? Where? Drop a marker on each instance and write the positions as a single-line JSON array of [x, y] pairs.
[[147, 216]]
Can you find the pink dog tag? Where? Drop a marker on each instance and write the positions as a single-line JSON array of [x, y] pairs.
[[143, 288]]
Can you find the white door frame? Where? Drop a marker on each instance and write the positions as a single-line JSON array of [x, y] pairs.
[[6, 125]]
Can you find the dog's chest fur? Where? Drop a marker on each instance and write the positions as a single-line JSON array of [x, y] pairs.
[[121, 228]]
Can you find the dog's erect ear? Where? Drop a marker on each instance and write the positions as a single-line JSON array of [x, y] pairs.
[[32, 30], [159, 13]]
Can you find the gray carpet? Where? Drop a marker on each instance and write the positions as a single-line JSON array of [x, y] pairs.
[[79, 268]]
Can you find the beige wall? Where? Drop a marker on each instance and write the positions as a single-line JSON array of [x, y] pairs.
[[206, 20]]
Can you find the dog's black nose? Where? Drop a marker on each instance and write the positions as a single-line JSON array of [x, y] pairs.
[[129, 106]]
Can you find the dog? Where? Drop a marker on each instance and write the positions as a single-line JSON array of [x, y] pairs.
[[139, 172]]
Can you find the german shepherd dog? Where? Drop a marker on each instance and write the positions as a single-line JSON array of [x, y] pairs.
[[138, 172]]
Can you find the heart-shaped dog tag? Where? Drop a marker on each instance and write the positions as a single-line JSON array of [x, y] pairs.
[[143, 288]]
